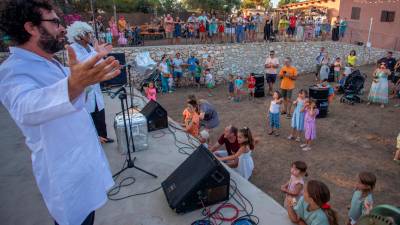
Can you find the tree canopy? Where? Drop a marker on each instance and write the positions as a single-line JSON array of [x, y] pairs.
[[284, 2], [212, 5], [247, 4]]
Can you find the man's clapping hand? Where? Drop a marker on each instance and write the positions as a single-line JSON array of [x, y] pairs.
[[89, 72]]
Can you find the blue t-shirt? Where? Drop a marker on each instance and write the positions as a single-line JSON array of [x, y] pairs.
[[239, 83], [357, 208], [192, 64], [316, 217]]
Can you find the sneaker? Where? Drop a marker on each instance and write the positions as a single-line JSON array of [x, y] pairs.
[[290, 137], [298, 139], [308, 148], [276, 134], [303, 145]]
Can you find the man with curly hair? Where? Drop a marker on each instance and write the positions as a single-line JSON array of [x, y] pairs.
[[47, 102]]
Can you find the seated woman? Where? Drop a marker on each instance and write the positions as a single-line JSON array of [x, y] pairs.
[[242, 160]]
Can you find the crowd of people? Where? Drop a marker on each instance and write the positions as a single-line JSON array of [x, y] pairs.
[[210, 28], [307, 28], [61, 113]]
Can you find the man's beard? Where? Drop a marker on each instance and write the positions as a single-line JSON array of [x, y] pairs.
[[49, 43]]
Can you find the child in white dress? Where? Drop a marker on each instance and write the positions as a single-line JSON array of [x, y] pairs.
[[242, 158]]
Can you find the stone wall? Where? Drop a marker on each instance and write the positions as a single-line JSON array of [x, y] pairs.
[[240, 59]]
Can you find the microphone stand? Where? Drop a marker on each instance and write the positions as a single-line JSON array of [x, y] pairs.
[[130, 162]]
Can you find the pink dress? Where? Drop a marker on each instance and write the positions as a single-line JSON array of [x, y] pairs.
[[151, 94], [310, 129], [113, 28], [122, 39]]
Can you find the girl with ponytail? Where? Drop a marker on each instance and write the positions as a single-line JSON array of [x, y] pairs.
[[313, 208]]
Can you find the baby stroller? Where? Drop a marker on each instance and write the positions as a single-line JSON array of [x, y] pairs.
[[352, 88]]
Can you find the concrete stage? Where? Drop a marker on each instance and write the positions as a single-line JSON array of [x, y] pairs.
[[22, 204]]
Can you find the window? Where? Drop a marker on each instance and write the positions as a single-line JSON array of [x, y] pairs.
[[387, 16], [355, 13]]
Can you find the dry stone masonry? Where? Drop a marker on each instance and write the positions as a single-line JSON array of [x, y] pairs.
[[241, 59]]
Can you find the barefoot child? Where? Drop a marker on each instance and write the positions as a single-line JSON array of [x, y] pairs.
[[274, 112], [298, 116], [242, 160], [251, 84], [337, 67], [310, 129], [294, 188], [151, 92], [313, 207], [209, 81], [362, 202], [238, 88]]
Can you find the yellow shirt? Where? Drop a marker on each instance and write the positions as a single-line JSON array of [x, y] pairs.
[[287, 83], [352, 60]]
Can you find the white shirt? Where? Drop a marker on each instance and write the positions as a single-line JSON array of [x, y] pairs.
[[68, 162], [274, 61], [274, 107], [209, 78], [164, 68], [94, 96]]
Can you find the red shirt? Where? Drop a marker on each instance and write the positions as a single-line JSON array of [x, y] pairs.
[[221, 28], [251, 82], [292, 21], [231, 148], [202, 28]]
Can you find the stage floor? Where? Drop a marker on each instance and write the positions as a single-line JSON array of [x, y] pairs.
[[22, 202]]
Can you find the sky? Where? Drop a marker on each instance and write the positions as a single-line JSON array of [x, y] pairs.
[[275, 2]]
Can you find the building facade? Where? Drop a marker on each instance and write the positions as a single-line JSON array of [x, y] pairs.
[[385, 16]]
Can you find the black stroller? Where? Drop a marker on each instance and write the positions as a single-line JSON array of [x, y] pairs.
[[352, 88]]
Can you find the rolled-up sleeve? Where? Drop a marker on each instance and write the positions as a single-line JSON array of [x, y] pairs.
[[32, 105]]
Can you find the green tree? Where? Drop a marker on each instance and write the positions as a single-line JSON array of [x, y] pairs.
[[284, 2], [212, 5], [247, 4]]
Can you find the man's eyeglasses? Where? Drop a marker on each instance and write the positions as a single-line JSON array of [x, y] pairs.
[[56, 21]]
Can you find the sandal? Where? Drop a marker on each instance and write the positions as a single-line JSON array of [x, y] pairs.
[[271, 132]]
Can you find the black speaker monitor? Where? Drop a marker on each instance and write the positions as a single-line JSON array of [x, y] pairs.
[[201, 180], [121, 79], [259, 89], [156, 115]]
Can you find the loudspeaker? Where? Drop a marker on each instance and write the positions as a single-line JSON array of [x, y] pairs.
[[201, 180], [259, 89], [121, 79], [318, 93], [322, 105], [156, 115]]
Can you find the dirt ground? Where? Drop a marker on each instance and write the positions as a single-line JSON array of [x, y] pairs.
[[351, 139]]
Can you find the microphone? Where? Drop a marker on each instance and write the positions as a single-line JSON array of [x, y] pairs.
[[117, 92]]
